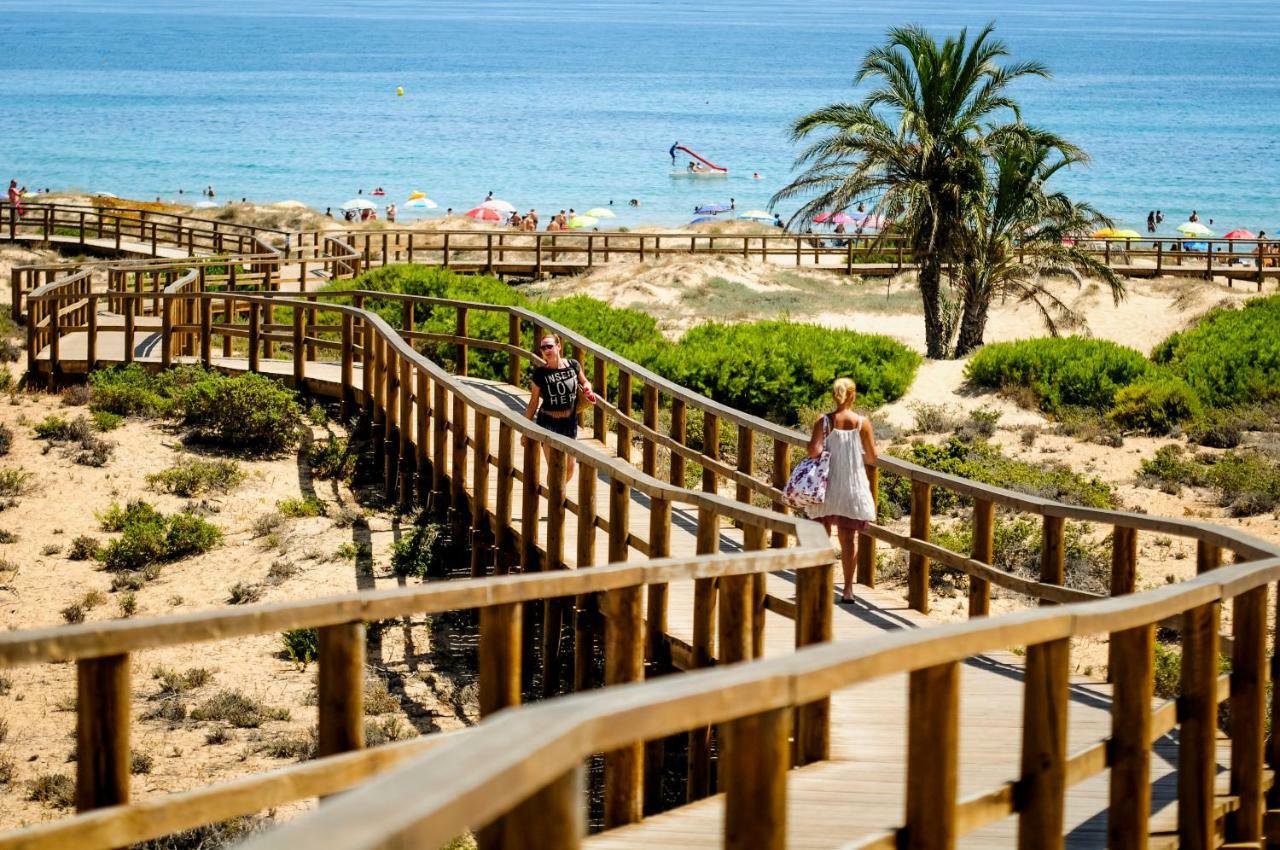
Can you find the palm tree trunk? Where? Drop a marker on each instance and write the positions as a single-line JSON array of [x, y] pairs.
[[935, 342], [973, 323]]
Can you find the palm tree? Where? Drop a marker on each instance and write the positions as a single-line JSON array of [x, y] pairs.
[[1022, 233], [917, 142]]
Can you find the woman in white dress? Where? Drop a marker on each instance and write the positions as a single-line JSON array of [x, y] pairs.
[[849, 506]]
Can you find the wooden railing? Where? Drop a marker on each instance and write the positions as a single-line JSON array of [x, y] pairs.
[[419, 415], [520, 774], [512, 252], [432, 432]]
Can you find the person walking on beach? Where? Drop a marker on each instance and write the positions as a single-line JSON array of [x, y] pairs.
[[15, 198], [1151, 221], [553, 396], [849, 506]]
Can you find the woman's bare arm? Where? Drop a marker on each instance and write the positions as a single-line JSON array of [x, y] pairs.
[[869, 453], [532, 407], [817, 438]]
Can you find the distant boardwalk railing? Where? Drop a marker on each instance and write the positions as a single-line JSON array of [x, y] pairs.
[[517, 778], [513, 253]]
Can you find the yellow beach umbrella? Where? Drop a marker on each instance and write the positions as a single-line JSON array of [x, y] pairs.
[[580, 221], [600, 212], [1125, 234], [413, 196], [1104, 233]]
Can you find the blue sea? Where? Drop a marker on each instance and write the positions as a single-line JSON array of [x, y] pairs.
[[574, 103]]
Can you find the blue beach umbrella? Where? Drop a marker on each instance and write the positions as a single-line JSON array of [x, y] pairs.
[[711, 209], [703, 219]]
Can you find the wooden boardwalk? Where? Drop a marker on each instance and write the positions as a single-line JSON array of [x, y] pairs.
[[859, 793]]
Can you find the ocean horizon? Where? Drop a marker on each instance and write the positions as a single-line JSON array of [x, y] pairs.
[[574, 104]]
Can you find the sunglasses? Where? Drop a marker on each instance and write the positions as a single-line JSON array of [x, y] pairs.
[[547, 345]]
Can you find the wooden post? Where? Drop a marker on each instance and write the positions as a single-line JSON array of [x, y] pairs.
[[408, 458], [439, 442], [1053, 552], [735, 621], [348, 370], [982, 549], [553, 609], [480, 555], [1128, 816], [656, 619], [745, 449], [530, 506], [255, 335], [461, 368], [1208, 557], [299, 350], [102, 732], [502, 541], [499, 657], [649, 448], [710, 448], [918, 565], [1198, 713], [624, 409], [677, 433], [932, 755], [340, 688], [586, 606], [1124, 575], [781, 472], [1043, 781], [458, 463], [623, 662], [513, 359], [553, 817], [1248, 717], [866, 543], [755, 756], [704, 615], [599, 381], [814, 600]]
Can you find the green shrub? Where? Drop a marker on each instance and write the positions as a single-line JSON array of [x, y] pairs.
[[1223, 428], [1016, 545], [149, 537], [1064, 372], [56, 790], [776, 369], [191, 476], [248, 412], [105, 420], [14, 482], [1169, 466], [1156, 405], [980, 461], [1247, 481], [237, 709], [128, 391], [6, 439], [1231, 356], [332, 458], [424, 552], [302, 646], [299, 508]]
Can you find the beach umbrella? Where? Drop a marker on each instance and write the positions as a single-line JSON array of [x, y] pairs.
[[600, 212], [872, 222], [703, 219], [420, 203], [1240, 233], [483, 213], [499, 205], [822, 218], [104, 195], [842, 218], [358, 204], [1125, 234], [413, 196], [710, 209], [1194, 228], [1104, 233], [1195, 246], [756, 215], [289, 205], [580, 221]]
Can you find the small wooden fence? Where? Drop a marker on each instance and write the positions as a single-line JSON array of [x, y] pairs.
[[535, 254]]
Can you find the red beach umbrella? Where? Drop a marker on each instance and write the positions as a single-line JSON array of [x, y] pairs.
[[486, 214], [1240, 233], [821, 218]]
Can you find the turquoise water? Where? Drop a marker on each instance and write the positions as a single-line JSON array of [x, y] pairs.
[[574, 103]]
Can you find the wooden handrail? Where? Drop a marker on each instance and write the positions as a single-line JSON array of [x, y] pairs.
[[520, 751]]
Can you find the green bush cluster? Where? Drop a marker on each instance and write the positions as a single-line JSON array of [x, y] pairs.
[[424, 552], [1230, 357], [1247, 481], [1060, 372], [981, 461], [1156, 405], [192, 476], [246, 412], [148, 537], [774, 369], [302, 646]]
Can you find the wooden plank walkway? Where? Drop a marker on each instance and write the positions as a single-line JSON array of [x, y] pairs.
[[859, 793]]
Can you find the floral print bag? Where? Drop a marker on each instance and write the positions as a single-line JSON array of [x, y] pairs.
[[808, 482]]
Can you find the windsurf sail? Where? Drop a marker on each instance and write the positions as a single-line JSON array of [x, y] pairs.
[[708, 163]]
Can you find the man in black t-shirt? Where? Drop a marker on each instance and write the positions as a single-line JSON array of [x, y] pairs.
[[553, 398]]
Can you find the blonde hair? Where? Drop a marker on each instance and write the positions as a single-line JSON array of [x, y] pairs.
[[844, 391]]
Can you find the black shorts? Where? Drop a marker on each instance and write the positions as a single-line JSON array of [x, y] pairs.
[[566, 426]]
